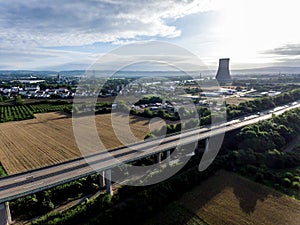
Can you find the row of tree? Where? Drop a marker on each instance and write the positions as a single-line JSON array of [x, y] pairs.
[[261, 156], [133, 208], [271, 134], [43, 202]]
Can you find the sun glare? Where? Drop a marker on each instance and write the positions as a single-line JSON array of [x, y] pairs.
[[247, 29]]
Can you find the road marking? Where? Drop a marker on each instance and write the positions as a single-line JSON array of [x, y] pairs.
[[34, 184], [21, 179], [71, 165], [81, 171], [31, 177]]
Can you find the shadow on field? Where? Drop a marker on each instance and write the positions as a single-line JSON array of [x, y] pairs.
[[58, 116], [215, 193], [249, 195]]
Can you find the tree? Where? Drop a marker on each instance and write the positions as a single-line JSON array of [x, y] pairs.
[[161, 113], [18, 100], [148, 113]]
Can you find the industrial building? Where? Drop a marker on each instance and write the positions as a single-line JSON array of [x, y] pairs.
[[223, 74]]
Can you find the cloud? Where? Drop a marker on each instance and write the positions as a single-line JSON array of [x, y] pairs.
[[285, 50], [284, 55], [150, 56], [37, 34], [40, 59], [76, 22]]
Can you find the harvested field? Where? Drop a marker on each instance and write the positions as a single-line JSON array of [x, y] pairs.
[[49, 139], [228, 198], [173, 214], [237, 100]]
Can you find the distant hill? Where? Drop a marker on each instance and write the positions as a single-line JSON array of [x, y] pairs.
[[204, 73], [268, 70], [25, 73]]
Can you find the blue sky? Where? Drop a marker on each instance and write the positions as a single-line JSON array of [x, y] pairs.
[[72, 34]]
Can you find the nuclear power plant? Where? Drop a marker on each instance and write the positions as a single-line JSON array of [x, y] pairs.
[[223, 74]]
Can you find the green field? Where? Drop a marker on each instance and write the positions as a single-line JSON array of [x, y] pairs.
[[14, 113], [41, 108], [24, 112]]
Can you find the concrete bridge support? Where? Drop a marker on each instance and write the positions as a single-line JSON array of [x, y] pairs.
[[5, 217], [102, 179], [108, 182], [206, 144], [158, 157], [168, 159], [207, 157]]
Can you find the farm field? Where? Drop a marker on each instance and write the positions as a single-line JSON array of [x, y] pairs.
[[23, 112], [237, 100], [49, 139], [230, 199], [175, 213], [227, 198], [11, 113]]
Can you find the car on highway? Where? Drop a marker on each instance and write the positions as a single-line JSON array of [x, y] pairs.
[[30, 178]]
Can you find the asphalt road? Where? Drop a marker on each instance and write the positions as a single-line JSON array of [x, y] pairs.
[[14, 186]]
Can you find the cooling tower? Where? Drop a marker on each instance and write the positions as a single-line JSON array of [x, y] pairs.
[[223, 74]]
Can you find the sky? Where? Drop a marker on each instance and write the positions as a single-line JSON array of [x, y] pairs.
[[72, 34]]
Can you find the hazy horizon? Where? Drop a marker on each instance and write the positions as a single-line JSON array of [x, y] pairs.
[[249, 71]]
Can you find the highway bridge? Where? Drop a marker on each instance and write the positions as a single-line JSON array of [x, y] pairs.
[[22, 184]]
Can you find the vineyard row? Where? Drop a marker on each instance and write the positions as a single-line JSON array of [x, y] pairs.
[[23, 112]]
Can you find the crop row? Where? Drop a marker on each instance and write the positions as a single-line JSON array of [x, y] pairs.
[[41, 108], [23, 112], [14, 113]]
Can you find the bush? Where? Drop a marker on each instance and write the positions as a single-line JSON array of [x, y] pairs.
[[2, 171], [297, 178], [296, 185], [288, 175], [286, 181]]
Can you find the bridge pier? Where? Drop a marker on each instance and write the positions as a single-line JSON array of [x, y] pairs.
[[5, 217], [168, 159], [158, 157], [108, 182], [206, 158], [206, 144], [101, 179]]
